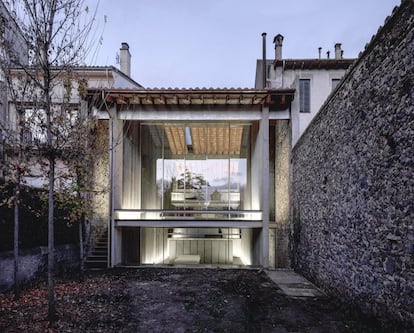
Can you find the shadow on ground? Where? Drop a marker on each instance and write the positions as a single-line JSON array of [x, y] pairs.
[[178, 300]]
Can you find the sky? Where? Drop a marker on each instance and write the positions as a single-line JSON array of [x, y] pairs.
[[215, 43]]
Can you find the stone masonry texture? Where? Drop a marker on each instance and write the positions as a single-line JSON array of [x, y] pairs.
[[353, 180]]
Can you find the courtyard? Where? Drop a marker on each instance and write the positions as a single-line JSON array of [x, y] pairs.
[[158, 299]]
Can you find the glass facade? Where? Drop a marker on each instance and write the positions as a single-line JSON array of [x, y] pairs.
[[174, 172], [187, 167]]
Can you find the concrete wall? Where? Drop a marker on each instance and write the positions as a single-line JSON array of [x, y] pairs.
[[353, 180], [33, 263]]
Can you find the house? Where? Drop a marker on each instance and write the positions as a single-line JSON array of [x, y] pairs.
[[12, 51], [79, 78], [202, 176], [312, 79], [77, 81], [189, 174], [199, 176]]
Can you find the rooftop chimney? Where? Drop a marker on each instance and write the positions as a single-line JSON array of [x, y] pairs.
[[338, 51], [278, 40], [264, 66], [125, 59]]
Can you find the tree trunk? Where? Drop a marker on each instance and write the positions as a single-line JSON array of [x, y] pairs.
[[17, 189], [51, 244], [81, 246], [16, 237], [50, 223]]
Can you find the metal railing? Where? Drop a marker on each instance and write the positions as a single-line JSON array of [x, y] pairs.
[[212, 215]]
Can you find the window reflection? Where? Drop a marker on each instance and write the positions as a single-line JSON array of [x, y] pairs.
[[196, 167]]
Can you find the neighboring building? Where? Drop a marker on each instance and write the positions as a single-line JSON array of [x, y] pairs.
[[312, 79], [189, 174], [90, 77], [13, 51], [80, 78], [12, 44]]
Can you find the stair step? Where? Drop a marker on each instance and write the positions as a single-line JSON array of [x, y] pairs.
[[99, 252], [98, 258], [94, 258]]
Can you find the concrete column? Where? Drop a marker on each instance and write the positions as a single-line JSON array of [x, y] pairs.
[[116, 158], [264, 193], [282, 193]]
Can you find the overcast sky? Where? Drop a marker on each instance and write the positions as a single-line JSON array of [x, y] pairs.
[[215, 43]]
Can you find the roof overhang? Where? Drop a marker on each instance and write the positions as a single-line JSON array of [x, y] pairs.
[[314, 63], [276, 99]]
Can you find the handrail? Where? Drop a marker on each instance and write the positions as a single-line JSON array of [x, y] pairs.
[[162, 214]]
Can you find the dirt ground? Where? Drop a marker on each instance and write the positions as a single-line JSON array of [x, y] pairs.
[[177, 300]]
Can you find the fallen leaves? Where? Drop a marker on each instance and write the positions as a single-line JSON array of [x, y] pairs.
[[93, 305]]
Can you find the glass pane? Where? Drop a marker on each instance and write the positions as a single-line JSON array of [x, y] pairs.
[[151, 151], [195, 166]]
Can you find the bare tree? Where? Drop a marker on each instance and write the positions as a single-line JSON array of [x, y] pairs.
[[58, 36]]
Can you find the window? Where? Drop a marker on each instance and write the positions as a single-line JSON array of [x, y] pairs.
[[304, 95], [35, 126], [335, 82], [64, 122]]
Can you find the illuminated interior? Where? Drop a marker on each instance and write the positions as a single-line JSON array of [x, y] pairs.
[[176, 171]]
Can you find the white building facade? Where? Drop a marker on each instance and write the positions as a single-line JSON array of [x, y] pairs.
[[312, 79], [189, 175]]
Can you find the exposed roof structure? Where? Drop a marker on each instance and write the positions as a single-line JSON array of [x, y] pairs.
[[197, 96]]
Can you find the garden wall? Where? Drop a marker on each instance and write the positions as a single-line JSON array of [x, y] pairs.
[[353, 180], [33, 263]]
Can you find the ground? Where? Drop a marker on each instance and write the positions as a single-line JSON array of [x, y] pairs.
[[177, 300]]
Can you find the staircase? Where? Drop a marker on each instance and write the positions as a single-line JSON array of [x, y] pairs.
[[98, 259]]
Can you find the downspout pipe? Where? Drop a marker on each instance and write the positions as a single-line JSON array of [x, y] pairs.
[[264, 75]]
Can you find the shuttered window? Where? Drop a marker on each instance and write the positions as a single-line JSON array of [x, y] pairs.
[[304, 95]]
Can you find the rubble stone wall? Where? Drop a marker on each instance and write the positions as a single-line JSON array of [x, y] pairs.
[[353, 180], [33, 264]]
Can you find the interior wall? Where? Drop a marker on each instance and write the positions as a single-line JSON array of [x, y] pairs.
[[154, 246], [131, 197], [150, 198], [246, 247], [256, 162], [210, 250]]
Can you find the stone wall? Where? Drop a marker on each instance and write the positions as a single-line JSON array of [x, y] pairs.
[[99, 221], [33, 263], [353, 180]]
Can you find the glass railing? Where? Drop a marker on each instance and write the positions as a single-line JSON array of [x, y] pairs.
[[160, 214]]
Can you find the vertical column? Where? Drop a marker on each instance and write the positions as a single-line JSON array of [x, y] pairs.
[[282, 192], [116, 158], [264, 193]]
